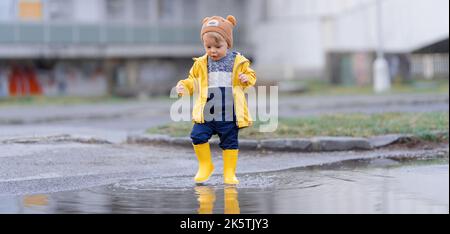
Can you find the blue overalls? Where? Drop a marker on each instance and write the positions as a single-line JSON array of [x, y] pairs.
[[219, 112]]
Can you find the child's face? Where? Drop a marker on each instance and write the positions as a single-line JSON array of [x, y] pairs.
[[216, 49]]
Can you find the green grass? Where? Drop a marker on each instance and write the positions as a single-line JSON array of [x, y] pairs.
[[317, 87], [42, 100], [355, 125]]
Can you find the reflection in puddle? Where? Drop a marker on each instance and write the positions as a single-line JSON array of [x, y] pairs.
[[231, 200], [367, 187], [206, 197], [35, 200]]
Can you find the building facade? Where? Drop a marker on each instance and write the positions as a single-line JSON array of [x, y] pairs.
[[127, 47], [299, 36]]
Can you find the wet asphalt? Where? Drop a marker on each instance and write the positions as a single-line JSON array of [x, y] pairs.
[[109, 176], [44, 168]]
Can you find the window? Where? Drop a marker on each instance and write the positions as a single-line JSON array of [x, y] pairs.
[[115, 10], [60, 10], [190, 11], [166, 10]]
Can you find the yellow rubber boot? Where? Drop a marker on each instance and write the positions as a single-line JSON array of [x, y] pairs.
[[231, 202], [206, 199], [205, 165], [230, 158]]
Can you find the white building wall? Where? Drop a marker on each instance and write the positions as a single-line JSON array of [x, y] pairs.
[[7, 10], [412, 24], [297, 34], [92, 14], [292, 43], [407, 25], [293, 35]]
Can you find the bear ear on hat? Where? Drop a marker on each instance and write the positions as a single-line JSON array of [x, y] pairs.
[[232, 20], [205, 19]]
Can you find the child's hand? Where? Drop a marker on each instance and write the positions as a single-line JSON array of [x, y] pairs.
[[243, 78], [180, 89]]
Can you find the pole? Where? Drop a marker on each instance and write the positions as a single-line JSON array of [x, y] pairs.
[[382, 82]]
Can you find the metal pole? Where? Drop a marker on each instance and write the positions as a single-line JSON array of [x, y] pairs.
[[382, 82]]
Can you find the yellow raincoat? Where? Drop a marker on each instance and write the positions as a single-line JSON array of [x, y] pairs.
[[197, 83]]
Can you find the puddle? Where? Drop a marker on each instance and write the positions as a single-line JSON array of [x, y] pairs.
[[361, 186]]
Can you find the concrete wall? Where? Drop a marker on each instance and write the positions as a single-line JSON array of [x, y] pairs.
[[93, 13], [6, 10], [407, 25], [291, 38]]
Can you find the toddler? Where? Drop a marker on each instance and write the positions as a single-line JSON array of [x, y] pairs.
[[220, 77]]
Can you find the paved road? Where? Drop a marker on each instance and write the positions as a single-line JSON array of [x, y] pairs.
[[125, 113], [117, 120], [47, 166], [50, 167]]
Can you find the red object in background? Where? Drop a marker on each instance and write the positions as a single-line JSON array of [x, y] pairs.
[[15, 81], [23, 82], [35, 87]]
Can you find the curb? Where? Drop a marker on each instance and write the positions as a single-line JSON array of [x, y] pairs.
[[315, 144], [54, 139]]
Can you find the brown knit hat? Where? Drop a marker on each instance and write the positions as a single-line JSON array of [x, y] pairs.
[[220, 25]]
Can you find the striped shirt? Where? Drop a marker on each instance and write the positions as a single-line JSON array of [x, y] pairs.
[[220, 103]]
